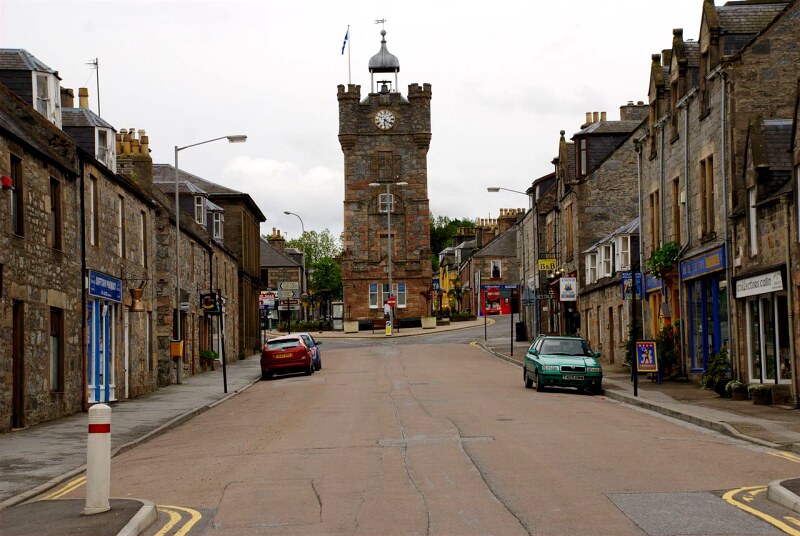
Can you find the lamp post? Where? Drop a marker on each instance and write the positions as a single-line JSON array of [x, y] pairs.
[[389, 206], [178, 331], [304, 279]]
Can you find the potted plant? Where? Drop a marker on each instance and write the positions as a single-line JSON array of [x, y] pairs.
[[716, 376], [760, 393], [207, 358], [736, 389], [663, 259]]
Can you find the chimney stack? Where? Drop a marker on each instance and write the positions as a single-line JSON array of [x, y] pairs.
[[602, 116], [83, 97], [133, 157], [595, 117], [276, 240], [588, 118], [67, 98]]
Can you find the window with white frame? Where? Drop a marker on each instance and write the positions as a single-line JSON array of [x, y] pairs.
[[373, 295], [496, 269], [401, 295], [42, 95], [200, 209], [607, 260], [623, 252], [386, 202], [591, 267], [751, 216], [47, 98], [105, 148], [219, 220]]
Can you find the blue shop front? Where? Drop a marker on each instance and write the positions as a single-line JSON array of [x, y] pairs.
[[105, 295], [706, 298]]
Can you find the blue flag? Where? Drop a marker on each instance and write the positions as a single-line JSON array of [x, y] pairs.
[[346, 35]]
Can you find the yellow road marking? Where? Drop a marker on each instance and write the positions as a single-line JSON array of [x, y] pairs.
[[195, 517], [793, 520], [787, 456], [174, 519], [67, 488], [729, 498]]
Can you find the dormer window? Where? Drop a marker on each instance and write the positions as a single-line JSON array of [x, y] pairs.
[[200, 209], [219, 220], [623, 252], [47, 98], [105, 148], [591, 267]]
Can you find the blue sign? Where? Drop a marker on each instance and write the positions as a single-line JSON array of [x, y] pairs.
[[651, 283], [707, 263], [105, 286], [627, 279]]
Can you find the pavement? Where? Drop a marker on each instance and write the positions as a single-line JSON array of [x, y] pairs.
[[38, 459]]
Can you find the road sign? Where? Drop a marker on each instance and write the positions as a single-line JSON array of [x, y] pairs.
[[392, 301], [286, 294], [492, 293], [289, 285]]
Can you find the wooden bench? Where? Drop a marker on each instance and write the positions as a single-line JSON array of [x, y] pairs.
[[380, 324]]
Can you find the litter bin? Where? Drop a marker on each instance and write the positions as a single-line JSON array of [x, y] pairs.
[[521, 332]]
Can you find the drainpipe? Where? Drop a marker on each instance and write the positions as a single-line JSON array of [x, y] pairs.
[[790, 300], [724, 167], [84, 305], [684, 105]]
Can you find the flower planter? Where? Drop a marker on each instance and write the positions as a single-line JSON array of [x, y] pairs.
[[428, 322], [351, 326], [761, 397], [739, 394]]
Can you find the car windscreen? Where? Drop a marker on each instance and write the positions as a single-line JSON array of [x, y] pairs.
[[566, 347], [282, 344]]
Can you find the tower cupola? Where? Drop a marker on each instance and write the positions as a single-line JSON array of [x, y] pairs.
[[383, 62]]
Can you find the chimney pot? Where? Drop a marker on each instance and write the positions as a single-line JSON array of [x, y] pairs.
[[602, 116], [595, 117], [67, 97], [83, 97], [588, 118]]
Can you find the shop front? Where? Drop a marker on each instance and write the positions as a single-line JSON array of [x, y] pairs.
[[706, 293], [766, 314], [105, 295]]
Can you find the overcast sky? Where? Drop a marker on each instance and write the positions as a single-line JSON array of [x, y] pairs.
[[506, 76]]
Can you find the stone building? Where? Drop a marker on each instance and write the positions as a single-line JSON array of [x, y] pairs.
[[713, 102], [41, 362], [235, 216], [279, 265], [385, 139]]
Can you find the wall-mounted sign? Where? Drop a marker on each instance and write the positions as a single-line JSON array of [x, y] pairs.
[[761, 284], [627, 280], [105, 286], [707, 263], [546, 265], [568, 288]]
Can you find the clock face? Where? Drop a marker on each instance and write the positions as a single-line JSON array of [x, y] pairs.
[[384, 119]]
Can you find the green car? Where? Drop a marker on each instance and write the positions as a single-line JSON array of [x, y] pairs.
[[562, 362]]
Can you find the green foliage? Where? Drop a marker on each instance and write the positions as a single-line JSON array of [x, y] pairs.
[[321, 250], [311, 325], [664, 258], [630, 347], [669, 348], [443, 229], [717, 369], [735, 385], [325, 277], [208, 355], [316, 245]]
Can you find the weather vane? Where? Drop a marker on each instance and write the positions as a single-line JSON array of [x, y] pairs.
[[381, 21]]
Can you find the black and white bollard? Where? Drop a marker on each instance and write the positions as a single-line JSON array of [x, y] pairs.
[[98, 460]]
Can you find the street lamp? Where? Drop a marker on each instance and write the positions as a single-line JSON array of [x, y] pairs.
[[389, 205], [304, 279], [178, 332], [495, 189]]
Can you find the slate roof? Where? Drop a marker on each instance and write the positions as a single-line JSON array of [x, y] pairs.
[[272, 258], [165, 173], [19, 59], [692, 51], [30, 127], [609, 127], [213, 207], [778, 135], [739, 23], [630, 228], [82, 117], [504, 245]]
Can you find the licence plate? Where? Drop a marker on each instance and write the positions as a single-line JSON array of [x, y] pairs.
[[278, 356], [572, 377]]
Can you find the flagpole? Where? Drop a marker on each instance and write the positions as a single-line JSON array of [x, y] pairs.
[[349, 81]]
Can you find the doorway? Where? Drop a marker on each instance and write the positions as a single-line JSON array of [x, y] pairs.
[[18, 366]]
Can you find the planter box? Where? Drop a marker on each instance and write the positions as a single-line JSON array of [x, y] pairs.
[[739, 395], [351, 326], [761, 397], [428, 322]]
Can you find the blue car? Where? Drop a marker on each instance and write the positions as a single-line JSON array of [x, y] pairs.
[[314, 347]]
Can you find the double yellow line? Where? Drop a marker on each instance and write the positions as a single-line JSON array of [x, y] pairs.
[[175, 513]]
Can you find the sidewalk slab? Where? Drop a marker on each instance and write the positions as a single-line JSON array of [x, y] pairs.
[[61, 517]]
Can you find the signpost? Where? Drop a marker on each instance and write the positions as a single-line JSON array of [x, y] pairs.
[[392, 301]]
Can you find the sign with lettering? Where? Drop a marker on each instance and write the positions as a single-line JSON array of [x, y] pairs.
[[707, 263], [569, 288], [546, 265], [761, 284], [105, 286]]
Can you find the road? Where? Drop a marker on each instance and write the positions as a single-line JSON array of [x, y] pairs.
[[436, 436]]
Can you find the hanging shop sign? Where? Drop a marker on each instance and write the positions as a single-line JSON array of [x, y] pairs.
[[546, 265], [568, 288], [105, 286]]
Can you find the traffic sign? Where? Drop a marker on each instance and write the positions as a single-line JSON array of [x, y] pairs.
[[289, 285], [493, 293], [392, 301]]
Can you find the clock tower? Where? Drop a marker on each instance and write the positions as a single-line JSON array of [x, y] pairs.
[[385, 139]]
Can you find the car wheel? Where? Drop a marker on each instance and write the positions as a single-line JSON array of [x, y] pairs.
[[310, 369], [318, 366], [528, 381], [597, 390], [539, 386]]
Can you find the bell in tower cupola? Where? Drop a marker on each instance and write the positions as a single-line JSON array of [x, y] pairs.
[[383, 62]]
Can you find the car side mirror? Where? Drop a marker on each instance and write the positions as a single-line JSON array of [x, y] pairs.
[[318, 343], [596, 355], [533, 351]]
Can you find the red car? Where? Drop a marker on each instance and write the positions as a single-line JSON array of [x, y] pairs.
[[287, 353]]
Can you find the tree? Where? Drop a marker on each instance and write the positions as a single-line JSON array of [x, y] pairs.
[[443, 229], [316, 246], [324, 271]]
